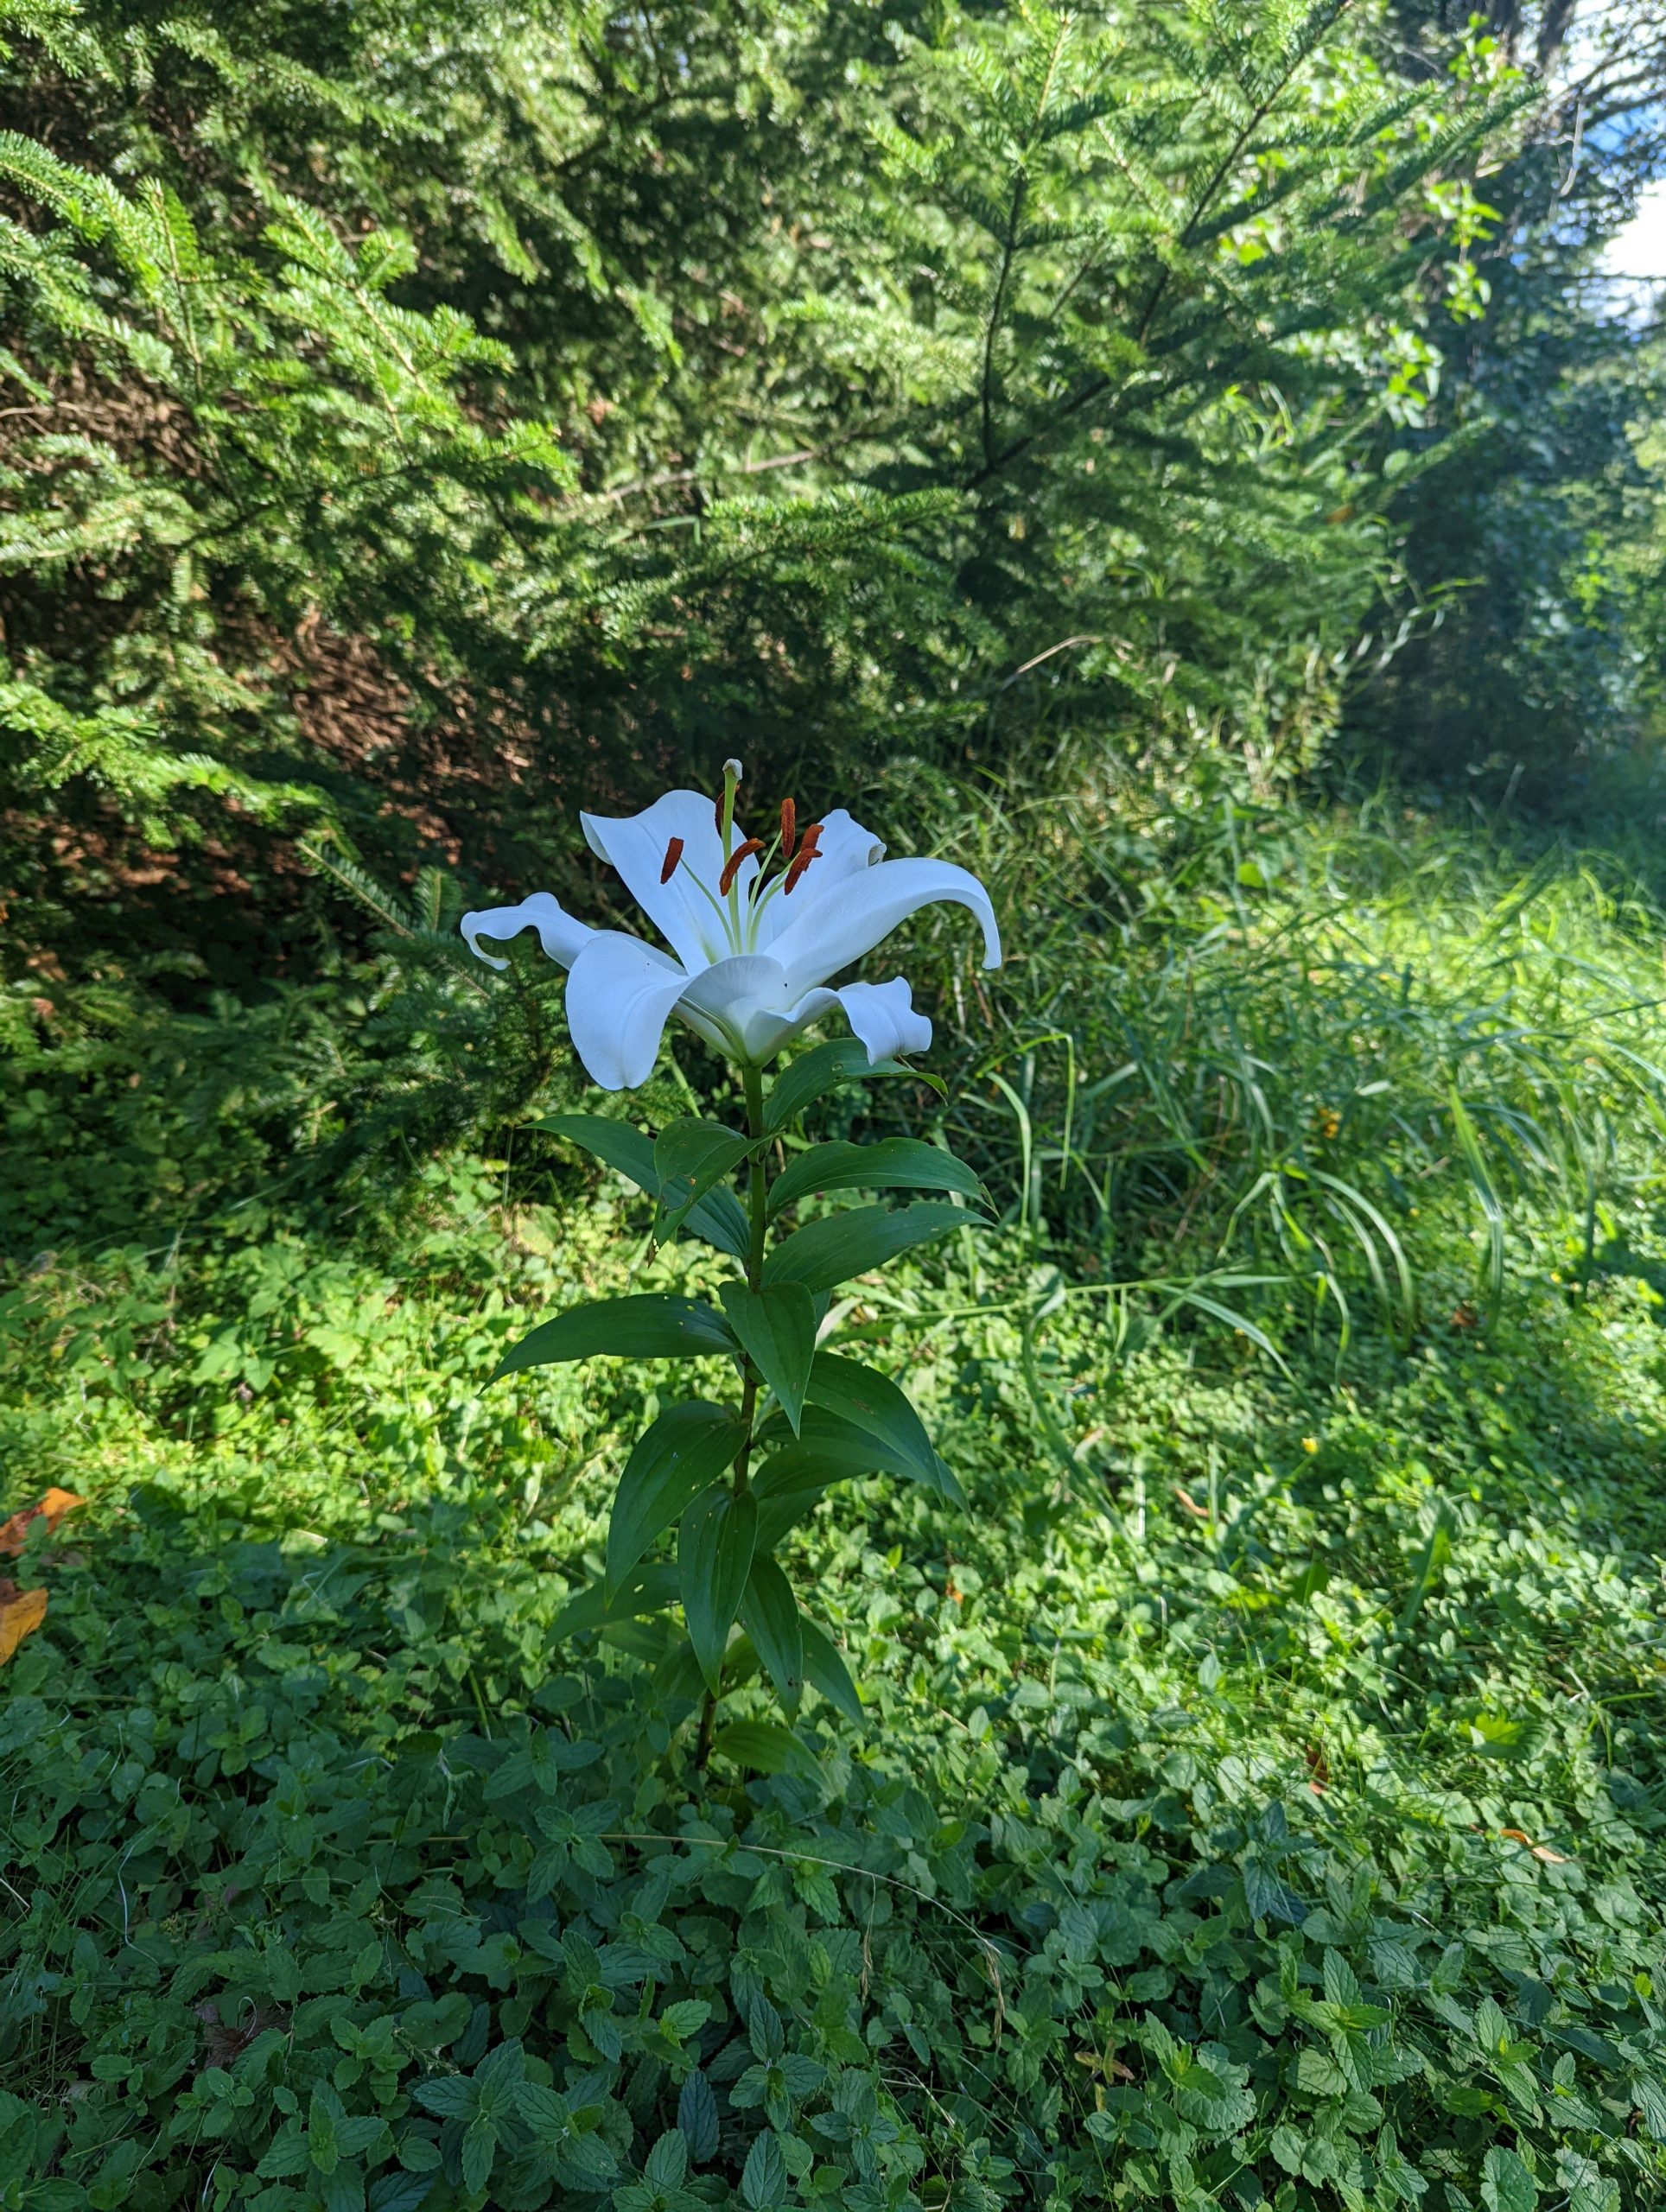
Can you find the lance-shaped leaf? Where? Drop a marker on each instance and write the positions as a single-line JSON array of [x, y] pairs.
[[827, 1450], [893, 1163], [825, 1670], [769, 1614], [718, 1218], [871, 1403], [825, 1253], [844, 1059], [655, 1325], [765, 1746], [682, 1454], [714, 1558], [649, 1590], [792, 1483], [776, 1328], [691, 1158]]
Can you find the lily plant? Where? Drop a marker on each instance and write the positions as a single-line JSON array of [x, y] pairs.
[[757, 935]]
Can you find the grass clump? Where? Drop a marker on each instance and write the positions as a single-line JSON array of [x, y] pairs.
[[1260, 1802]]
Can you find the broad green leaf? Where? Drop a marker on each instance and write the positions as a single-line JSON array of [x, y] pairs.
[[776, 1328], [872, 1404], [1506, 2184], [691, 1158], [844, 1059], [697, 2115], [764, 1745], [667, 2162], [480, 2149], [825, 1670], [893, 1163], [677, 1675], [649, 1590], [655, 1325], [719, 1218], [682, 1452], [714, 1558], [769, 1614], [830, 1449], [788, 1488], [824, 1254]]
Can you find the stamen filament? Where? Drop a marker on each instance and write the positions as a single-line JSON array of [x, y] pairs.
[[723, 918]]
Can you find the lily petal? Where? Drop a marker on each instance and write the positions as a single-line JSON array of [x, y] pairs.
[[746, 1000], [619, 997], [882, 1017], [685, 911], [832, 932], [561, 938], [844, 849]]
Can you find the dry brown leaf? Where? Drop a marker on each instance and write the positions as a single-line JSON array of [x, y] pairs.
[[1540, 1850], [21, 1611], [52, 1508], [1318, 1770], [1105, 2063], [1197, 1512]]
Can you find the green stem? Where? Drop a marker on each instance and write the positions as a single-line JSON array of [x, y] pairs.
[[757, 1195]]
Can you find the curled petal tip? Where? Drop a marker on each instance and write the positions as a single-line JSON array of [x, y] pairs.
[[469, 928], [561, 937]]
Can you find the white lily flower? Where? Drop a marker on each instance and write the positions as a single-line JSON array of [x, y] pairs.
[[752, 949]]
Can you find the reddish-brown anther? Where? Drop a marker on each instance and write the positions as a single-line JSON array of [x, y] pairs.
[[789, 828], [807, 852], [732, 868], [717, 813], [673, 856]]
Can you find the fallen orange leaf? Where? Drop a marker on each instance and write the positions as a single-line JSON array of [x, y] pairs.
[[21, 1611], [52, 1508], [1540, 1850], [1198, 1512]]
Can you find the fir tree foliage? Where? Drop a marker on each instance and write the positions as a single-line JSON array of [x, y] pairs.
[[415, 422]]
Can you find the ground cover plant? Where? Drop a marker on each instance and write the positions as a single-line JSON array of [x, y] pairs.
[[1258, 1797]]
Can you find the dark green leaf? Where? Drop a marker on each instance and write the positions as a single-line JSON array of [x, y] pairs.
[[718, 1218], [871, 1403], [683, 1453], [790, 1485], [714, 1558], [893, 1163], [824, 1254], [824, 1068], [480, 2149], [677, 1675], [697, 2115], [831, 1449], [825, 1670], [764, 1745], [769, 1613], [691, 1159], [776, 1328], [667, 2161], [655, 1325], [649, 1590], [451, 2095], [400, 2192]]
